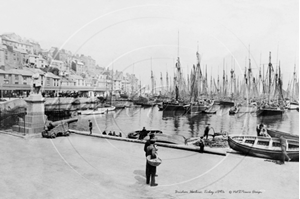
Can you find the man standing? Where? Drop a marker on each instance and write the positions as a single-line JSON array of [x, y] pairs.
[[206, 130], [283, 143], [151, 170], [201, 143], [90, 126], [259, 128]]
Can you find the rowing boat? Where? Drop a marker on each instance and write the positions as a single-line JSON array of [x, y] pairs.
[[264, 147]]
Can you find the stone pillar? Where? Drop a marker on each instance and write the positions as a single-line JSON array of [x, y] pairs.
[[35, 118]]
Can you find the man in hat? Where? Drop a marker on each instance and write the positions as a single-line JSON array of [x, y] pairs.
[[206, 130], [201, 144], [151, 170], [90, 126], [143, 133]]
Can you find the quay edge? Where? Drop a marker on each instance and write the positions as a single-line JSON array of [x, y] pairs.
[[181, 147]]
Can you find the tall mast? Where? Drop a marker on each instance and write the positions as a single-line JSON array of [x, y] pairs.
[[270, 68]]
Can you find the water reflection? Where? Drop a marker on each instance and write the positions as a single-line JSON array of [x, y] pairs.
[[187, 125]]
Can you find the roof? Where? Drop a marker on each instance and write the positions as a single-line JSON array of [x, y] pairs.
[[2, 71], [75, 77], [25, 72], [35, 70], [13, 71], [48, 74]]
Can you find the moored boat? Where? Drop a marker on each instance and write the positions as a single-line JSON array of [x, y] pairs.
[[92, 112], [264, 147], [200, 106], [268, 111], [172, 106]]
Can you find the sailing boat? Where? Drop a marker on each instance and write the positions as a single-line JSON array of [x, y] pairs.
[[176, 104], [293, 93], [198, 101], [272, 106], [224, 99]]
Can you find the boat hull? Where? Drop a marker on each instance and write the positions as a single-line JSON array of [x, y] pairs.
[[268, 112], [224, 103], [271, 150], [172, 107]]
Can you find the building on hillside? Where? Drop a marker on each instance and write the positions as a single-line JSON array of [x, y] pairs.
[[36, 61], [11, 58], [60, 65], [79, 81], [89, 63], [78, 66], [17, 42], [2, 56]]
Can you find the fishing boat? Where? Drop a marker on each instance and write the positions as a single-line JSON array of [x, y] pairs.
[[264, 147], [274, 105], [269, 110], [277, 134], [200, 106], [172, 106], [224, 102]]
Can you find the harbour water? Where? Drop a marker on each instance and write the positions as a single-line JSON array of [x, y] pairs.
[[187, 125]]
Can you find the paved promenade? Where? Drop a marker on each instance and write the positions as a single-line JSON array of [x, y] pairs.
[[89, 167]]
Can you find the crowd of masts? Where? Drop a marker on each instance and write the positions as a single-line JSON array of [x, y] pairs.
[[265, 86]]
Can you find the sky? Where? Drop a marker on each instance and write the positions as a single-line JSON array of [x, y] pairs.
[[135, 36]]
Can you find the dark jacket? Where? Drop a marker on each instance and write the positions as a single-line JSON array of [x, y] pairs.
[[146, 146]]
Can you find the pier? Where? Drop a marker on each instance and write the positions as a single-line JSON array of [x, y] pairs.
[[89, 167]]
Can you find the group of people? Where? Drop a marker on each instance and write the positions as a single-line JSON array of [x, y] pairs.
[[104, 132], [112, 133]]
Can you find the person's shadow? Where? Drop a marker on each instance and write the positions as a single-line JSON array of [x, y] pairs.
[[274, 161], [140, 177]]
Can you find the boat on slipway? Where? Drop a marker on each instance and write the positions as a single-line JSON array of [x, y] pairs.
[[160, 137], [264, 147]]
